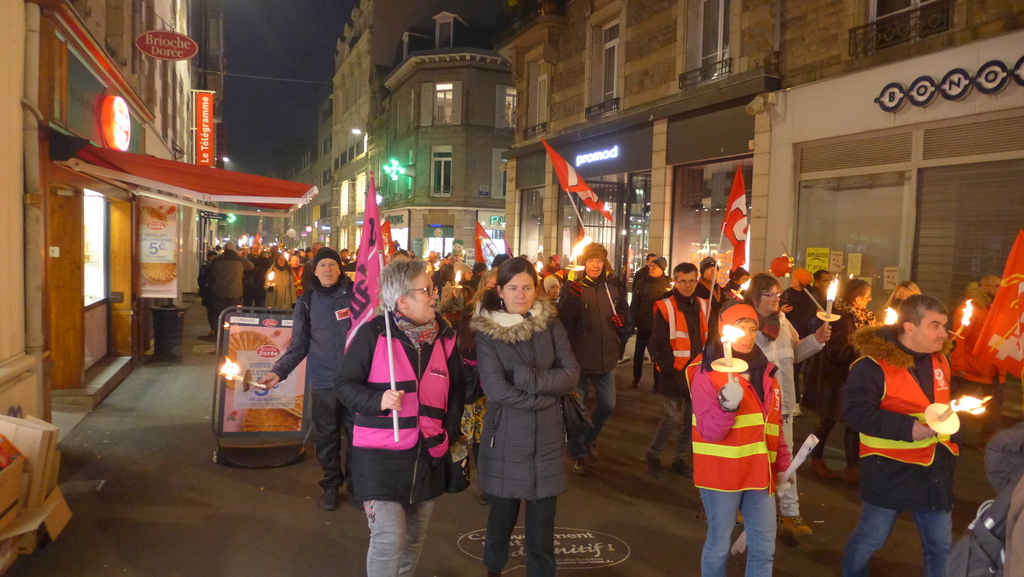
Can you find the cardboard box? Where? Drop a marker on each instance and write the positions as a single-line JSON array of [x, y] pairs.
[[37, 441], [53, 515], [8, 553], [10, 492]]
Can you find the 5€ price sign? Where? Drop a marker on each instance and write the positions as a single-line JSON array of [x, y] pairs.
[[157, 250]]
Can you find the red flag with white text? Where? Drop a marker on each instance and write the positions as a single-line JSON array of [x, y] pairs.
[[572, 182], [365, 292], [736, 225], [389, 245], [1002, 336]]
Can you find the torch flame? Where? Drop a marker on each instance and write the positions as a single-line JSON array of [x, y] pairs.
[[745, 286], [458, 277], [833, 288], [730, 334], [967, 404], [577, 249], [968, 311], [890, 316], [230, 369], [540, 266], [270, 276]]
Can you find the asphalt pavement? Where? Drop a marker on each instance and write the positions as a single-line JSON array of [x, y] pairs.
[[165, 508]]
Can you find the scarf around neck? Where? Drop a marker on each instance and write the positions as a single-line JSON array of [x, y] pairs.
[[420, 335], [770, 325], [861, 317]]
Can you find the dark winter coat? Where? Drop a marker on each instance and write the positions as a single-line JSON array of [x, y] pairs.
[[205, 282], [803, 314], [645, 292], [318, 334], [595, 339], [526, 365], [228, 269], [833, 364], [887, 482], [254, 279], [412, 475]]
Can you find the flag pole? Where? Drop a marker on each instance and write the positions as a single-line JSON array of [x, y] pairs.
[[391, 353]]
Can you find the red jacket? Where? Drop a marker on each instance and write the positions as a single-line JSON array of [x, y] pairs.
[[963, 362]]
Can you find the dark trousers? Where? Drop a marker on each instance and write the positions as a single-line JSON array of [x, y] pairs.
[[643, 338], [220, 303], [329, 416], [212, 312], [851, 442], [255, 297], [540, 535]]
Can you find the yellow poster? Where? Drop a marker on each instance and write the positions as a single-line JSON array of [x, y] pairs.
[[817, 259]]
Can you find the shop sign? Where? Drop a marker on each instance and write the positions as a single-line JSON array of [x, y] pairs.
[[158, 241], [438, 231], [991, 78], [574, 548], [204, 143], [497, 220], [817, 259], [397, 220], [600, 155], [116, 122], [166, 45], [835, 261]]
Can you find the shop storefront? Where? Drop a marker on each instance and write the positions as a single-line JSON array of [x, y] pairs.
[[493, 223], [399, 220], [908, 171]]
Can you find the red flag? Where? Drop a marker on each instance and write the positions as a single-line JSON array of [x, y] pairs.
[[572, 182], [389, 245], [1002, 336], [735, 225], [508, 249], [368, 263], [483, 247]]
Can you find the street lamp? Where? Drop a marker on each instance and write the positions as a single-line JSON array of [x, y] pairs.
[[356, 131]]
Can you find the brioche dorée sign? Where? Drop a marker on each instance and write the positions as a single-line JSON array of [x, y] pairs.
[[166, 45], [204, 128]]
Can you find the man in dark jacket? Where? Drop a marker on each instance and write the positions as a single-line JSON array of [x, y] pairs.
[[228, 269], [801, 302], [594, 310], [905, 464], [205, 283], [254, 293], [651, 287], [319, 331], [672, 351], [707, 284]]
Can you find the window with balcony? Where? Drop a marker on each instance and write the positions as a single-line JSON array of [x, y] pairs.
[[443, 96], [606, 73], [505, 101], [537, 99], [708, 46], [441, 171], [441, 103], [895, 22]]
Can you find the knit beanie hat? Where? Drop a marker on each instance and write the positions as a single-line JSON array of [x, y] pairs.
[[594, 250], [707, 263], [326, 252], [732, 314], [804, 276], [550, 281], [662, 263]]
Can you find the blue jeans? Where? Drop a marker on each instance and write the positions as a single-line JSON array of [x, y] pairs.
[[397, 532], [758, 508], [934, 527], [604, 388]]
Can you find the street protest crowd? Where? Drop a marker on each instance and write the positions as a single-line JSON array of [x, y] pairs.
[[432, 364]]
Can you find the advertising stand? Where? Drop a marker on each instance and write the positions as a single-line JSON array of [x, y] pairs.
[[257, 427]]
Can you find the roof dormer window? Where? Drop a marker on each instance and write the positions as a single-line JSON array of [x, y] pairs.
[[444, 30]]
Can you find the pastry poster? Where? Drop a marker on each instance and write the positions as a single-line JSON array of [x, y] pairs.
[[255, 344], [158, 243]]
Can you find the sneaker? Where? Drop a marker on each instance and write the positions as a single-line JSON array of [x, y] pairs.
[[680, 467], [795, 527], [797, 412], [579, 467], [592, 453], [654, 465], [635, 384], [329, 499], [625, 360]]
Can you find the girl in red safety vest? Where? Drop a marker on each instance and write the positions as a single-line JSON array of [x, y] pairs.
[[738, 448]]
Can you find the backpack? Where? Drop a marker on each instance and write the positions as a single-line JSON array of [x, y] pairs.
[[980, 552]]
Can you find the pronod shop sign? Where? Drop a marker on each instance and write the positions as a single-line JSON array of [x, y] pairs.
[[955, 85]]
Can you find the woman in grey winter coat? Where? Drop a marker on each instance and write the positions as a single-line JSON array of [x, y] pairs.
[[526, 365]]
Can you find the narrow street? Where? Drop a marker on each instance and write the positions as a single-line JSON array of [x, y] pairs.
[[166, 509]]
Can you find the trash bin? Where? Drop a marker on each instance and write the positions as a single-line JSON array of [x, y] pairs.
[[168, 330]]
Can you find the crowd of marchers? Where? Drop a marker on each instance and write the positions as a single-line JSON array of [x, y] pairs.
[[485, 360]]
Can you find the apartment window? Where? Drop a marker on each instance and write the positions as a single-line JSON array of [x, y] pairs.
[[412, 108], [443, 103], [325, 177], [325, 147], [444, 34], [610, 36], [714, 32], [895, 22], [538, 96], [441, 170], [508, 106]]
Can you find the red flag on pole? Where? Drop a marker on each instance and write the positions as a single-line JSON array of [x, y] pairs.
[[483, 247], [572, 182], [364, 293], [736, 226], [508, 249], [389, 245], [1002, 336]]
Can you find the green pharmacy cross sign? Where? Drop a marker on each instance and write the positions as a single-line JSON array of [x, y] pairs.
[[394, 169]]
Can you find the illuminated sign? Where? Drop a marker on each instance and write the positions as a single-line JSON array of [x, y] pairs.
[[204, 144], [166, 45], [393, 169], [116, 122], [582, 159]]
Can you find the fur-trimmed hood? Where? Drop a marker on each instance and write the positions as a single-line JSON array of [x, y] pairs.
[[879, 342], [514, 328]]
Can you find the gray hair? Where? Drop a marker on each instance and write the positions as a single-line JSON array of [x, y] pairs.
[[912, 310], [396, 279]]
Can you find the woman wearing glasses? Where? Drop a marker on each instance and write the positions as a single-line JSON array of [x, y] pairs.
[[526, 365], [398, 481], [783, 346]]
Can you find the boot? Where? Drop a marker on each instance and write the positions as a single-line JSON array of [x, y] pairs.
[[653, 465], [819, 467], [795, 527], [680, 467]]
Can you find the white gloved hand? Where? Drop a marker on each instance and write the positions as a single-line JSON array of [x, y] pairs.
[[730, 395]]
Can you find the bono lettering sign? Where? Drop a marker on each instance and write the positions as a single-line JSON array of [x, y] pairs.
[[955, 85], [574, 548]]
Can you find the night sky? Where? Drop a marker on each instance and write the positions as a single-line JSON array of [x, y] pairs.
[[283, 39]]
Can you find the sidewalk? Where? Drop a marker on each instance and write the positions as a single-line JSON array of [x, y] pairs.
[[166, 509]]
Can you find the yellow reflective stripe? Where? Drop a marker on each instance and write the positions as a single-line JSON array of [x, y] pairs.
[[877, 443], [772, 429], [716, 450], [748, 420]]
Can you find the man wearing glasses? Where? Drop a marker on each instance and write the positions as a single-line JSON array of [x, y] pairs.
[[682, 323]]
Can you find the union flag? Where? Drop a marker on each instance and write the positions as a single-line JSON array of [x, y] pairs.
[[389, 245], [1002, 336], [736, 226], [483, 246], [572, 182]]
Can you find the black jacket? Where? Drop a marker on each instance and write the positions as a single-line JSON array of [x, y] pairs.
[[647, 290], [254, 279], [594, 338], [205, 282], [410, 476], [886, 482], [228, 271], [804, 311], [318, 334]]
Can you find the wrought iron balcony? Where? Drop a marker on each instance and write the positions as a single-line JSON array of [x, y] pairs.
[[535, 130], [516, 19], [440, 191], [602, 108], [901, 28], [706, 72]]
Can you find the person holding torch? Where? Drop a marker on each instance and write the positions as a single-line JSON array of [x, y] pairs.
[[398, 470], [905, 464], [739, 449]]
